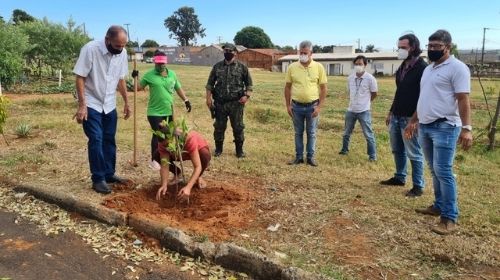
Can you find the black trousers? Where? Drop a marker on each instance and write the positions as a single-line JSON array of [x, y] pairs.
[[154, 122]]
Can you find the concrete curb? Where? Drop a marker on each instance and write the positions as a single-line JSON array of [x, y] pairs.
[[226, 255]]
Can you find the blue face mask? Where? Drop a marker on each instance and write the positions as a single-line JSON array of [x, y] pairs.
[[435, 55]]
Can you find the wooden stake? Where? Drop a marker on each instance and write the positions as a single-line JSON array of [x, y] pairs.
[[134, 161]]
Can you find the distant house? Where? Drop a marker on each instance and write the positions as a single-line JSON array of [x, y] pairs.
[[210, 55], [138, 52], [261, 58], [340, 63], [180, 55]]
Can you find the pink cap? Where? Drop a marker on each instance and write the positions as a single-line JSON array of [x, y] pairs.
[[160, 59]]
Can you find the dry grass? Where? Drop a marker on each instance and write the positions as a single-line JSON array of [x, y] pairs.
[[335, 218]]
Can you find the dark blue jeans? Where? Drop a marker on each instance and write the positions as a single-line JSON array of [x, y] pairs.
[[100, 129]]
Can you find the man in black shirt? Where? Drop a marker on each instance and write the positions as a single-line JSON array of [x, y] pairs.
[[403, 107]]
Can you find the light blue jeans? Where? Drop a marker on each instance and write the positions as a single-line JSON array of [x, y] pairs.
[[301, 115], [403, 148], [439, 140], [365, 120]]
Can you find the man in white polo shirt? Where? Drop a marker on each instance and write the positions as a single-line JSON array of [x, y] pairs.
[[101, 68], [362, 90], [443, 114]]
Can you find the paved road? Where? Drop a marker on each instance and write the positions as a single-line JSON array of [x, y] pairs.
[[26, 253]]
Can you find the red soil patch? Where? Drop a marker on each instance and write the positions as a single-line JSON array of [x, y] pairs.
[[17, 245], [219, 211], [350, 245]]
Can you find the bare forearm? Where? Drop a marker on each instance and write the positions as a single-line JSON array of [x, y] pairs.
[[122, 88], [322, 94], [288, 95], [181, 94], [194, 177], [464, 109], [80, 90]]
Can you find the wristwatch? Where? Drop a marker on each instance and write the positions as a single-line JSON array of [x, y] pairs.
[[467, 127]]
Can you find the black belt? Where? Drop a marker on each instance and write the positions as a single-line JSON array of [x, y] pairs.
[[440, 120], [305, 104]]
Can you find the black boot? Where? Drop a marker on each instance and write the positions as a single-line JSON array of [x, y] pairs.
[[239, 150], [218, 148]]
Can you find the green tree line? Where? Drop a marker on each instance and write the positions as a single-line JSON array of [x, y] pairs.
[[32, 48]]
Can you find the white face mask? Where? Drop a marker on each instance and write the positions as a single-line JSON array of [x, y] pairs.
[[359, 68], [402, 54], [304, 58]]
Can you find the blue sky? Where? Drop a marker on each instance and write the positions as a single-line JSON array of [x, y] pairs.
[[324, 22]]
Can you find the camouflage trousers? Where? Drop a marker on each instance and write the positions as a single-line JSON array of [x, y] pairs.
[[234, 110]]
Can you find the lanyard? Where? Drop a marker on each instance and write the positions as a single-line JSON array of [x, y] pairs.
[[358, 85]]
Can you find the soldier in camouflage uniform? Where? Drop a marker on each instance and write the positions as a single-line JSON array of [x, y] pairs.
[[228, 90]]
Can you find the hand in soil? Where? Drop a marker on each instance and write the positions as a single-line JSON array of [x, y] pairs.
[[184, 194], [161, 191]]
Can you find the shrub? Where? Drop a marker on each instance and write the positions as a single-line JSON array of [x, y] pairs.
[[23, 130]]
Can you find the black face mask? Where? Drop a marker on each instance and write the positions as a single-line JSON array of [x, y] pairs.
[[228, 56], [113, 50], [435, 55]]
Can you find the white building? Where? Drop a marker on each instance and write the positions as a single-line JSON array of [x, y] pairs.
[[341, 63]]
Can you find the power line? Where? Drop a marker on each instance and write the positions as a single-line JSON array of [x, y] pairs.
[[128, 33]]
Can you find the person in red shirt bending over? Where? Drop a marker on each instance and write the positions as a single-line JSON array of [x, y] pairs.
[[196, 149]]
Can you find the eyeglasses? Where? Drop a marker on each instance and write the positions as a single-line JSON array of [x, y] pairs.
[[435, 46]]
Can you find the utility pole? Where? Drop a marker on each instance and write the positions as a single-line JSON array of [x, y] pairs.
[[219, 39], [359, 44], [482, 51], [128, 33]]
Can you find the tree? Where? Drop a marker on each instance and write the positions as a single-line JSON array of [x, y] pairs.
[[184, 26], [150, 44], [327, 49], [358, 50], [253, 37], [19, 16], [149, 53], [370, 49], [286, 48], [454, 50], [13, 44], [1, 20], [316, 49], [52, 46]]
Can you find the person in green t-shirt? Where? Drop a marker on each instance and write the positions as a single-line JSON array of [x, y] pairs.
[[162, 84]]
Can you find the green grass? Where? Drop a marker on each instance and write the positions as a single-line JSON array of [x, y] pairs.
[[308, 201]]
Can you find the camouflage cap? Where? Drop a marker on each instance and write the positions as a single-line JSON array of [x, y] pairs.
[[229, 46]]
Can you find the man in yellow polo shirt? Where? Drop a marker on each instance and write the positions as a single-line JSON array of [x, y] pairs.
[[305, 92]]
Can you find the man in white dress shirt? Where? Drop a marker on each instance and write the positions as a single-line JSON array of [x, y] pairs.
[[100, 70]]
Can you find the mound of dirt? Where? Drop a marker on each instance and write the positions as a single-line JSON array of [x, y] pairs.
[[219, 211]]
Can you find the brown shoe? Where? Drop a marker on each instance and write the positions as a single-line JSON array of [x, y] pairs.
[[429, 211], [445, 227]]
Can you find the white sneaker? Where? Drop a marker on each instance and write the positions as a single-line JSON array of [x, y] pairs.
[[154, 165]]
